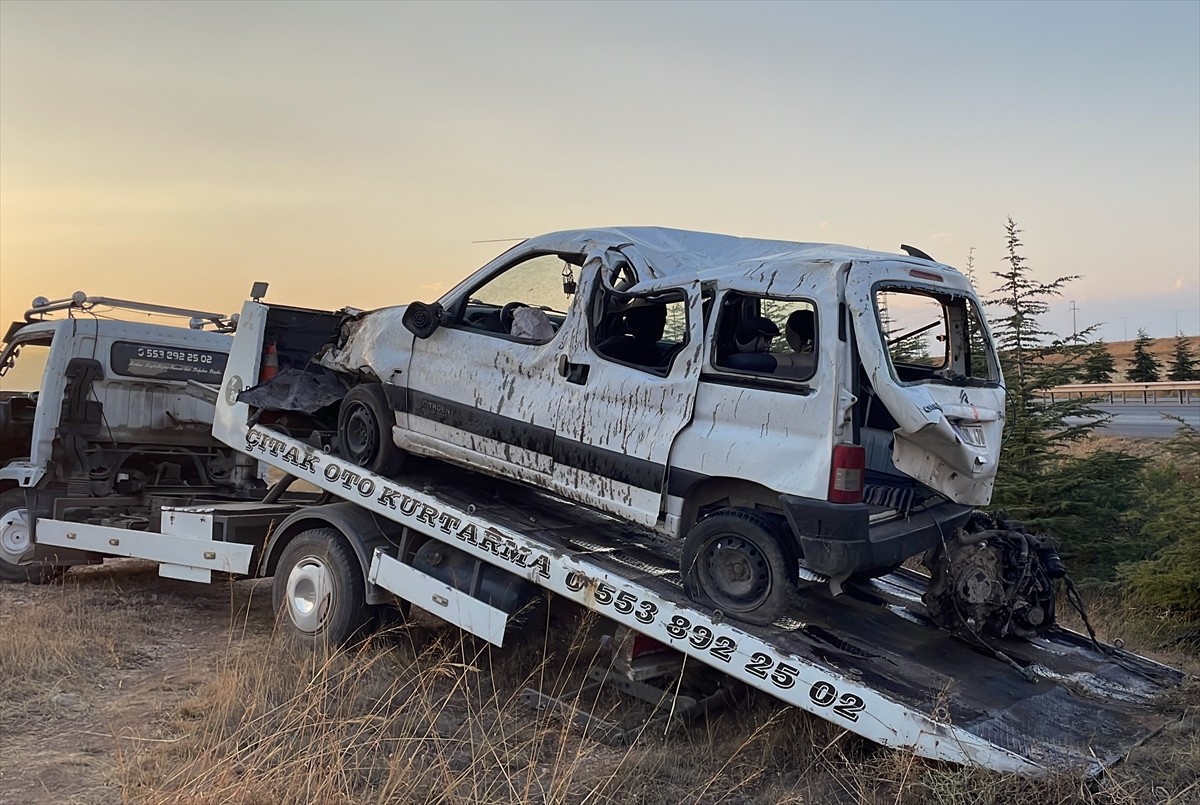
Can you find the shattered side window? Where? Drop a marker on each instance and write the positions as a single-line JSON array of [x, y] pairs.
[[645, 332], [934, 336], [767, 336]]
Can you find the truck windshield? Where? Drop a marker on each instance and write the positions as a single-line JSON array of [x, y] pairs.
[[933, 336], [22, 364]]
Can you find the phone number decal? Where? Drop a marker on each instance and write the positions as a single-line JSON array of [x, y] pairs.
[[166, 363], [781, 674]]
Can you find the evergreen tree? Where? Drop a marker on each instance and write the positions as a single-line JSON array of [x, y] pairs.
[[1144, 368], [1183, 362], [1035, 483], [1033, 360], [1098, 364], [1170, 577]]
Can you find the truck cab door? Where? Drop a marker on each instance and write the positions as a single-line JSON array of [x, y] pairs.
[[626, 386], [928, 359]]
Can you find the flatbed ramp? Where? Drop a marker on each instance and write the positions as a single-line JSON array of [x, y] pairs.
[[869, 661], [1083, 708]]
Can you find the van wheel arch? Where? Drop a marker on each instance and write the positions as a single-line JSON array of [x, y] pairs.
[[718, 493]]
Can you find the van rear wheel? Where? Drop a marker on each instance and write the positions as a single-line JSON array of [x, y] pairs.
[[735, 560]]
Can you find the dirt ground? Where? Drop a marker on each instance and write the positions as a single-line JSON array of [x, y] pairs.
[[133, 647]]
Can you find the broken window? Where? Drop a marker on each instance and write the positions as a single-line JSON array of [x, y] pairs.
[[769, 336], [527, 300], [932, 335], [645, 332]]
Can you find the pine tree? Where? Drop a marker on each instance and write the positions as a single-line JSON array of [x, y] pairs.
[[1144, 368], [1183, 362], [1098, 365], [1035, 483], [1033, 360]]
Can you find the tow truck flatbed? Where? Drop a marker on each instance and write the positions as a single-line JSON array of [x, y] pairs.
[[1083, 708], [868, 660]]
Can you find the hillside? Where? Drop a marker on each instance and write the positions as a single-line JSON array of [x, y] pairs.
[[1160, 348]]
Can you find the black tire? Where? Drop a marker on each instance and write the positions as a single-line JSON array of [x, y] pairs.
[[16, 547], [737, 561], [318, 590], [365, 430]]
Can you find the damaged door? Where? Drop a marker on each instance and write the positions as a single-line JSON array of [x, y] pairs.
[[929, 359], [626, 386], [481, 388]]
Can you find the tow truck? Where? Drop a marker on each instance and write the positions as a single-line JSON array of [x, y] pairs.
[[475, 550]]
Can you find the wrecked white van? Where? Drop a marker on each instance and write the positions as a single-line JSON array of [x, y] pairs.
[[765, 402]]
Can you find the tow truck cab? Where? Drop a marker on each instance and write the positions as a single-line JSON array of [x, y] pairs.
[[98, 420]]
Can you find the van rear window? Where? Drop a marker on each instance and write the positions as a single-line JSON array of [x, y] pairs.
[[932, 335]]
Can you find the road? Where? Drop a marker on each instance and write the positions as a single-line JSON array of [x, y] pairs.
[[1148, 421]]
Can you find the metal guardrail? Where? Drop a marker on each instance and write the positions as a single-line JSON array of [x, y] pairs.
[[1185, 390]]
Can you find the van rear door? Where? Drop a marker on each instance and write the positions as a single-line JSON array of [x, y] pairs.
[[929, 359]]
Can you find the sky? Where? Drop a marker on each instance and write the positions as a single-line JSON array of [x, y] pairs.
[[362, 153]]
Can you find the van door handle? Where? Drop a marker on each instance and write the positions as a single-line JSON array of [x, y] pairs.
[[574, 372]]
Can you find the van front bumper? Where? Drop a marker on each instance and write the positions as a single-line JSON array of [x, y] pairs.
[[837, 539]]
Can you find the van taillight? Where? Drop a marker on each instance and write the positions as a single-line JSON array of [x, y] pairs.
[[846, 476]]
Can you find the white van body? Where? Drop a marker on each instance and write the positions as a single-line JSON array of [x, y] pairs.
[[659, 443]]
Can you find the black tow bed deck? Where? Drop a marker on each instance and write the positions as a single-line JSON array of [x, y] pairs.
[[1083, 709]]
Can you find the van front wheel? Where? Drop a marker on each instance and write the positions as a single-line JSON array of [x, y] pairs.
[[365, 430], [735, 560]]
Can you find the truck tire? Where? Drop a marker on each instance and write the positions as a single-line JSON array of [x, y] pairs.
[[16, 544], [736, 561], [365, 430], [318, 590]]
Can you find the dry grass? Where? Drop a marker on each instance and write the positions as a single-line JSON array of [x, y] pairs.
[[423, 716], [61, 646]]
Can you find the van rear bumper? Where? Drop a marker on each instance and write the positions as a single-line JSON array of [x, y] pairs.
[[838, 539]]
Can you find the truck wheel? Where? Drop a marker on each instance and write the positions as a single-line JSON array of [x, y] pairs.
[[365, 430], [318, 590], [16, 544], [735, 560]]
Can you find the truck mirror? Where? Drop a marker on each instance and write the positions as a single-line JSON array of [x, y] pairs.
[[421, 319]]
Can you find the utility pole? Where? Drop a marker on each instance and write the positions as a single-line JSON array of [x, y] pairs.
[[1177, 331], [1074, 325], [1124, 328]]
